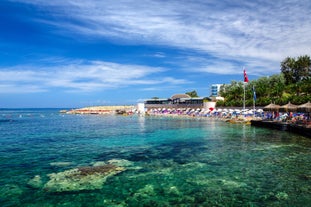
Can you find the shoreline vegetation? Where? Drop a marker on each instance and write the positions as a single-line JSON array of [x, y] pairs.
[[292, 84]]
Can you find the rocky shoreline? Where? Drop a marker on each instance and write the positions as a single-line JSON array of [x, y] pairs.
[[101, 110]]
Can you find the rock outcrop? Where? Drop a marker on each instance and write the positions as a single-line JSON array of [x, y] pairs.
[[82, 178]]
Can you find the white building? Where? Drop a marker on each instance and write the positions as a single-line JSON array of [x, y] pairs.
[[215, 89]]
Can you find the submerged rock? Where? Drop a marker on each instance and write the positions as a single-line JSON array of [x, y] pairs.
[[124, 163], [116, 162], [35, 182], [82, 178], [99, 163], [10, 191], [120, 162], [173, 191], [145, 192], [233, 184], [281, 196], [61, 164]]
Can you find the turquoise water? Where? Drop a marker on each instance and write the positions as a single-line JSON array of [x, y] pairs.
[[169, 161]]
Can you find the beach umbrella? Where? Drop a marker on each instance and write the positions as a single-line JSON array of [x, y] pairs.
[[237, 111], [250, 112], [288, 108], [271, 107], [304, 107]]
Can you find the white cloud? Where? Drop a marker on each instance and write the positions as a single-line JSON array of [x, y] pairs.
[[159, 55], [259, 34], [90, 76], [13, 88]]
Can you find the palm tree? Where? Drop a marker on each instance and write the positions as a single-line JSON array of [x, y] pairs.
[[303, 68]]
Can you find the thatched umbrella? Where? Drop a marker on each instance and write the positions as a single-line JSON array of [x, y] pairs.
[[304, 107], [271, 107], [288, 107]]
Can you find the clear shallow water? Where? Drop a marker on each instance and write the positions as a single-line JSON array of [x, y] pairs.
[[176, 162]]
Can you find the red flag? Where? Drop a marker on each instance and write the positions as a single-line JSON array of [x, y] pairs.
[[245, 77]]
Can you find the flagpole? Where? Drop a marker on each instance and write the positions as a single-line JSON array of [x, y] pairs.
[[244, 97], [254, 103], [254, 100], [244, 89], [245, 81]]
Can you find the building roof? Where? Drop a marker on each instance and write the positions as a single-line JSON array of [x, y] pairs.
[[195, 98], [157, 99], [176, 96]]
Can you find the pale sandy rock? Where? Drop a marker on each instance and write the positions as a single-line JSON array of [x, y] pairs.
[[120, 162], [61, 164], [99, 163], [35, 182], [82, 178]]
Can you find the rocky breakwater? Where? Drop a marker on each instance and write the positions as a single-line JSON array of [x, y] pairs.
[[100, 110]]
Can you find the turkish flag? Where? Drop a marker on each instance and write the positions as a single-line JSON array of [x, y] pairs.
[[245, 77]]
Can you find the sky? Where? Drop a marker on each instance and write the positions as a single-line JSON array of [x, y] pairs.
[[77, 53]]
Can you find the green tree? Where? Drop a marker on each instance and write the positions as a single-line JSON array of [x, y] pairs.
[[262, 91], [287, 68], [306, 86], [233, 93], [296, 70], [192, 94], [292, 84], [276, 86], [303, 68]]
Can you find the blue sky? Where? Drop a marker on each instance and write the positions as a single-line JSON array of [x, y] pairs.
[[75, 53]]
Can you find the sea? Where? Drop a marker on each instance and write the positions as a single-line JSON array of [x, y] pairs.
[[164, 161]]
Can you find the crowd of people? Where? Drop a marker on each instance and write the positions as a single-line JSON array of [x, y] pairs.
[[291, 117]]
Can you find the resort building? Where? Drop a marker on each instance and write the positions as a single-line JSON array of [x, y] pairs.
[[215, 90], [177, 101]]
